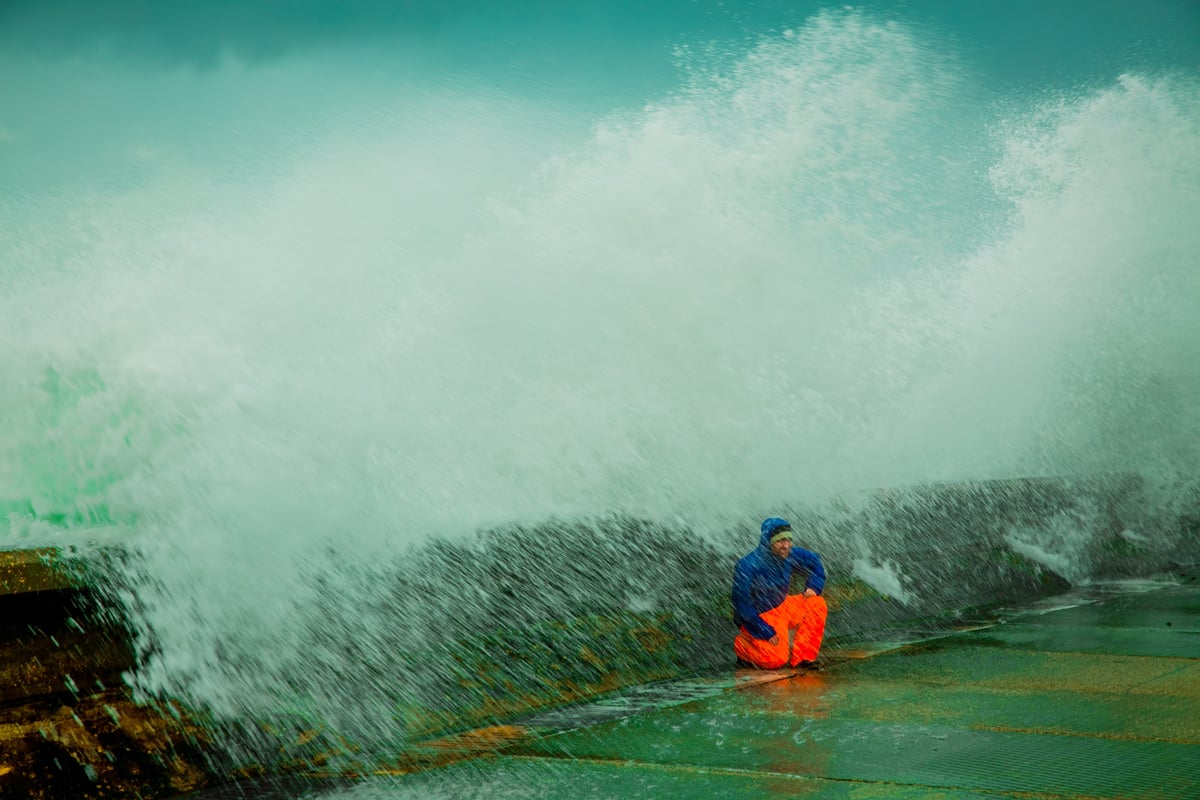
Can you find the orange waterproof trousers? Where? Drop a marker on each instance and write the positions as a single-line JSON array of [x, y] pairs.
[[803, 617]]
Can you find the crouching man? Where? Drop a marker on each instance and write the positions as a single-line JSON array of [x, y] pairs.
[[764, 610]]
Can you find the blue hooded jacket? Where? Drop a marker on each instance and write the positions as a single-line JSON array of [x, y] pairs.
[[761, 578]]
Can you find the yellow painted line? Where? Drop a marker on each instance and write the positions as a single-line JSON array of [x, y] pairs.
[[488, 738], [1121, 737], [446, 750], [887, 788]]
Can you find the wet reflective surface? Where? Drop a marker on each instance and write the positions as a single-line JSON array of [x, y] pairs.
[[1087, 696]]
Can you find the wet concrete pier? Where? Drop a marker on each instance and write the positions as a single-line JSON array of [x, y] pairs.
[[1095, 694]]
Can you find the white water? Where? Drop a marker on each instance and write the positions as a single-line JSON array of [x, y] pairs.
[[821, 265]]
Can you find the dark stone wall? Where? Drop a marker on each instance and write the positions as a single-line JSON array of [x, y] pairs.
[[69, 728]]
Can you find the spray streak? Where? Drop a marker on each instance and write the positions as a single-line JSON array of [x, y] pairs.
[[788, 279]]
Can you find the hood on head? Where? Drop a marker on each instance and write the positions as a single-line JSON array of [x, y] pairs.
[[770, 527]]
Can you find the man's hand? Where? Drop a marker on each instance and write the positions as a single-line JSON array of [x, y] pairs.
[[774, 640], [809, 593]]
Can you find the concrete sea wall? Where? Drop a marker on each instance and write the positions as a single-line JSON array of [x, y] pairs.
[[625, 601], [561, 613]]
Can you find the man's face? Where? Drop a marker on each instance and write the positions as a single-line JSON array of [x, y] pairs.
[[782, 548]]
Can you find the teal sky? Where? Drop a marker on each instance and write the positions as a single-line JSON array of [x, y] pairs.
[[603, 43], [83, 79]]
